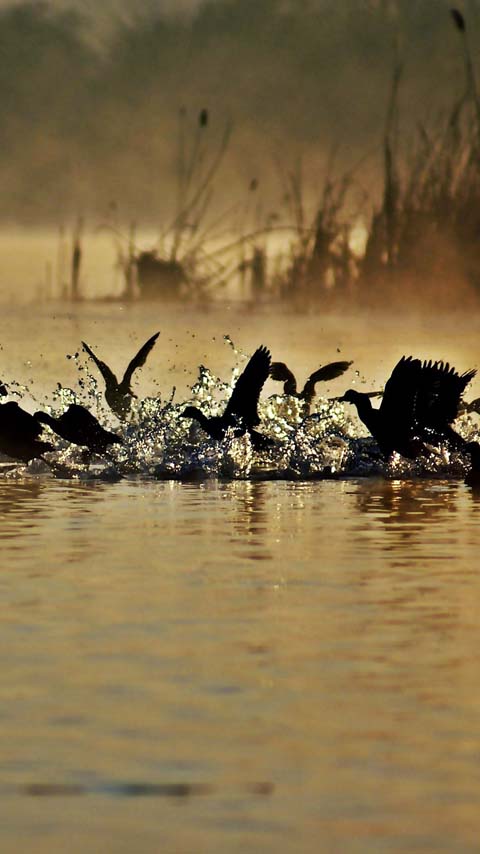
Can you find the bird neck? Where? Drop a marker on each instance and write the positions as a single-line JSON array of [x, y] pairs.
[[198, 415], [366, 412], [214, 426]]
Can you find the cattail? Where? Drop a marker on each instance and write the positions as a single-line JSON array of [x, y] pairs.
[[458, 19], [203, 118]]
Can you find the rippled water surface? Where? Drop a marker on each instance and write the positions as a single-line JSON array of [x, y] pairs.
[[236, 665]]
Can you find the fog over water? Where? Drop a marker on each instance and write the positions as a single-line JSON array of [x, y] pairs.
[[91, 98]]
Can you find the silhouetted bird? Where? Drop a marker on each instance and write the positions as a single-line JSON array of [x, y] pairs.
[[473, 476], [118, 395], [420, 402], [79, 426], [241, 413], [279, 371], [19, 432]]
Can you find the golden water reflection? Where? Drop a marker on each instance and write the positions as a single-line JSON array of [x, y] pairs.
[[316, 642], [236, 666]]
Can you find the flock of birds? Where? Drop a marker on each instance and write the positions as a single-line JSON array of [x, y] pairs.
[[420, 403]]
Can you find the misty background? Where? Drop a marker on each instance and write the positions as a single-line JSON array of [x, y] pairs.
[[90, 98]]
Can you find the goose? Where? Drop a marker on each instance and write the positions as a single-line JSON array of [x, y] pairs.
[[419, 404], [279, 371], [119, 394], [241, 412], [19, 432], [79, 426]]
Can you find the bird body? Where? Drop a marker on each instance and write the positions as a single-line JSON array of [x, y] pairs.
[[119, 394], [19, 432], [420, 402], [241, 413], [79, 426]]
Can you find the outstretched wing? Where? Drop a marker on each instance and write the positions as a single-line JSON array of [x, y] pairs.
[[279, 371], [107, 374], [325, 373], [398, 406], [139, 360], [439, 394], [244, 399]]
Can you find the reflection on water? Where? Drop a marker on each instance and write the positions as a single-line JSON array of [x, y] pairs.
[[136, 790], [20, 497], [405, 510], [252, 517], [393, 501], [295, 662], [243, 665]]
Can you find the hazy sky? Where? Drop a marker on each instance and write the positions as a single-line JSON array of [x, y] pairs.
[[91, 94]]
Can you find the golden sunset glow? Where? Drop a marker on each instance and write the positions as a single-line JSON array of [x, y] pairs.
[[239, 426]]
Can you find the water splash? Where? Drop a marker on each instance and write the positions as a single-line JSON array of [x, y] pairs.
[[159, 443]]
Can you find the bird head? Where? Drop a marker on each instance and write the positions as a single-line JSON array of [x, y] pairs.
[[350, 396]]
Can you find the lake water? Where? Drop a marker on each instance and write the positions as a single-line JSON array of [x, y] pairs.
[[236, 664]]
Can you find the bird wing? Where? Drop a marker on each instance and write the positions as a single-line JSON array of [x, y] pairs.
[[244, 399], [107, 374], [139, 360], [439, 394], [398, 406], [325, 373], [279, 371]]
